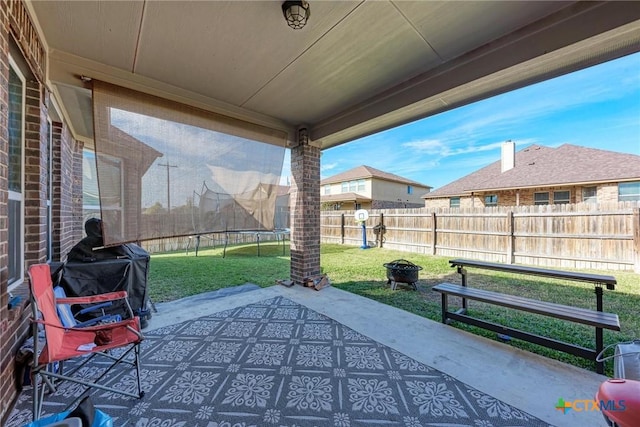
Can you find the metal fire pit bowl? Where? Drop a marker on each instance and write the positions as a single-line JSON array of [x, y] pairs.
[[402, 271]]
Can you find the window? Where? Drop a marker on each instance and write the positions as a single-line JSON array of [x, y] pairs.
[[491, 200], [561, 197], [358, 206], [409, 189], [361, 185], [90, 196], [454, 202], [49, 175], [353, 186], [345, 187], [337, 206], [110, 192], [628, 191], [590, 194], [541, 198], [15, 118], [327, 189]]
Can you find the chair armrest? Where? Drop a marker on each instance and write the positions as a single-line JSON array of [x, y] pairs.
[[93, 308], [109, 296]]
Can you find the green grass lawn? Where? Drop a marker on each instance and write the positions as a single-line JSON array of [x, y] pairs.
[[176, 275]]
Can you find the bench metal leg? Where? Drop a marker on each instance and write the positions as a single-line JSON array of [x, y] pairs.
[[599, 348], [445, 305], [599, 340], [463, 277]]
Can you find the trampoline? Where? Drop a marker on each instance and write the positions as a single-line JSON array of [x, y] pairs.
[[280, 235]]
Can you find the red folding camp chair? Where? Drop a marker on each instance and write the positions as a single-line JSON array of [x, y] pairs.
[[63, 343]]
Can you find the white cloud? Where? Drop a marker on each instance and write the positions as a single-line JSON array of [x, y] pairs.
[[443, 149], [429, 146], [328, 166]]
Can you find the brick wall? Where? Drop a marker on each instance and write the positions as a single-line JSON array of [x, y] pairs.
[[606, 193], [35, 175], [7, 325], [305, 212], [66, 191], [15, 330], [66, 195]]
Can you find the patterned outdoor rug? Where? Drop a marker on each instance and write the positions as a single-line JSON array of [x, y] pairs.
[[277, 363]]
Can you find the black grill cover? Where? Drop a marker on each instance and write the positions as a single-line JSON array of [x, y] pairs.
[[126, 271]]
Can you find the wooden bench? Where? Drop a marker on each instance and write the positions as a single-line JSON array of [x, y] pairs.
[[596, 318]]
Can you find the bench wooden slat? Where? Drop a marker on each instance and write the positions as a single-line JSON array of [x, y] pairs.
[[610, 281], [575, 314]]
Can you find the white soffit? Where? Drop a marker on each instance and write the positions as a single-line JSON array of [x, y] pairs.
[[357, 68], [453, 31], [239, 46], [104, 32], [367, 52]]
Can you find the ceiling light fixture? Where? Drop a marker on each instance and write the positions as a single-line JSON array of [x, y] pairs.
[[296, 12]]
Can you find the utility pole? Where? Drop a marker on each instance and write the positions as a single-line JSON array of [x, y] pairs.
[[168, 166]]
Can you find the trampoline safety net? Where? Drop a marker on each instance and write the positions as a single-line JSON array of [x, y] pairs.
[[166, 169]]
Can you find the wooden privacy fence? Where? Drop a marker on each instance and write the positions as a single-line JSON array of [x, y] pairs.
[[581, 236]]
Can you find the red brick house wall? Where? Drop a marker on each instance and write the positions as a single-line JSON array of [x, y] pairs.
[[67, 187], [66, 191], [7, 325], [606, 193]]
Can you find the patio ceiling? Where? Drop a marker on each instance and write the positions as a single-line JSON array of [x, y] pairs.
[[357, 68]]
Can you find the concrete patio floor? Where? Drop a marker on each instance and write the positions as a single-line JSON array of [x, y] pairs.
[[525, 380]]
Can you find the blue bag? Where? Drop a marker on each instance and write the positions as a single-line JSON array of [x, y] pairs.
[[85, 411]]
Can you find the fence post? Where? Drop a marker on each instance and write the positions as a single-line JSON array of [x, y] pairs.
[[381, 231], [342, 229], [510, 238], [434, 236], [636, 240]]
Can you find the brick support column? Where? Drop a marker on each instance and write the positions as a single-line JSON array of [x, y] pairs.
[[305, 208], [35, 176]]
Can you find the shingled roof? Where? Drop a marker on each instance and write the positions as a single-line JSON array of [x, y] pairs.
[[539, 166], [362, 172]]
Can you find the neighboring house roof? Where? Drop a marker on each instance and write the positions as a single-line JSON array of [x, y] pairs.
[[345, 197], [363, 171], [539, 166]]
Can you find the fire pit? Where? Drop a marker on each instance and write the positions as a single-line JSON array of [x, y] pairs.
[[402, 271]]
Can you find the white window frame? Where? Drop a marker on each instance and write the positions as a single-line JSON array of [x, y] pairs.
[[588, 198], [86, 207], [344, 186], [540, 202], [454, 202], [327, 189], [49, 199], [15, 196], [488, 202], [88, 211], [361, 185], [562, 201], [629, 197]]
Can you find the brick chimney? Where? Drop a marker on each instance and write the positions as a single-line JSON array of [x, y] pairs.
[[508, 159]]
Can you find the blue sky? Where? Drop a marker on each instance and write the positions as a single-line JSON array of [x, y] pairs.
[[598, 107]]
